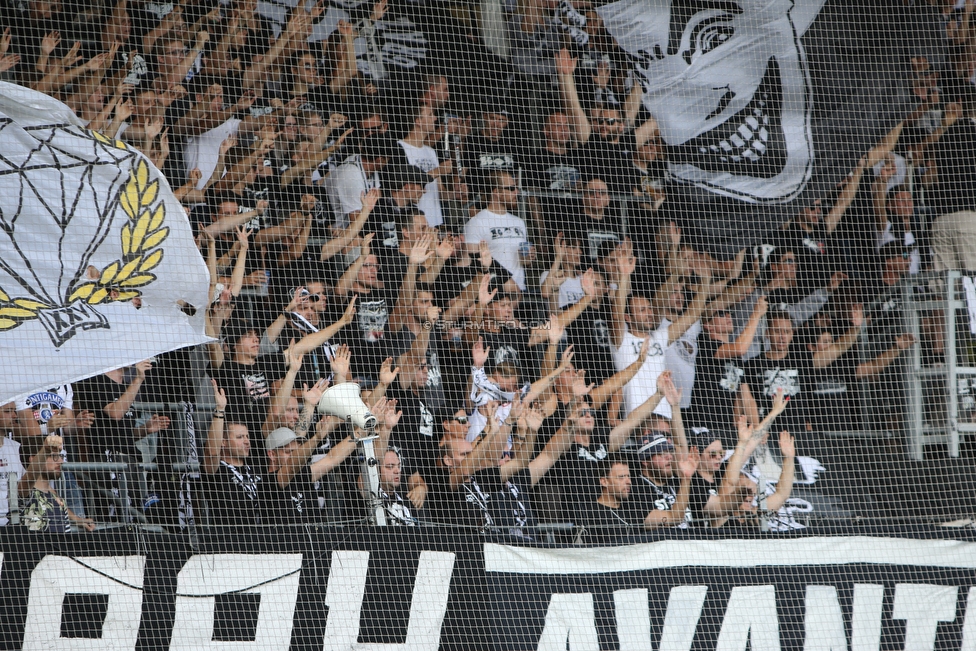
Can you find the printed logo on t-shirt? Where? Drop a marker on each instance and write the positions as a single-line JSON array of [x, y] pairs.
[[733, 377], [562, 177], [787, 379], [496, 162], [814, 245], [426, 422], [433, 370], [507, 233], [256, 386], [372, 317], [601, 333], [44, 405], [504, 354], [654, 350]]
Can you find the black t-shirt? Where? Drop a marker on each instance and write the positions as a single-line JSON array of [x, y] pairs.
[[232, 495], [548, 171], [481, 156], [383, 221], [957, 168], [816, 256], [433, 393], [369, 337], [716, 387], [610, 161], [832, 400], [602, 524], [592, 232], [248, 390], [576, 472], [415, 435], [646, 496], [509, 507], [590, 334], [699, 493], [510, 345], [793, 374], [106, 434], [293, 504], [466, 506]]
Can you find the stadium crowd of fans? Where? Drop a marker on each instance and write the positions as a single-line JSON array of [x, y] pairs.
[[453, 241]]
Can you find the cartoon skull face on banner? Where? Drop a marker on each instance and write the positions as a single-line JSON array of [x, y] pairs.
[[728, 85]]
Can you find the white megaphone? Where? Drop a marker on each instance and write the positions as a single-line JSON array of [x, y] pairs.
[[343, 401]]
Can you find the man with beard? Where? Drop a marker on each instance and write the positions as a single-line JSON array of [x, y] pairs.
[[608, 139], [231, 487], [45, 511], [505, 233]]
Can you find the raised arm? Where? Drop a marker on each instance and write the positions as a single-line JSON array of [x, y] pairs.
[[875, 366], [827, 356], [620, 433], [565, 67], [215, 435], [615, 382], [740, 346], [280, 399], [313, 340], [687, 467], [348, 279], [785, 484], [846, 196], [626, 264]]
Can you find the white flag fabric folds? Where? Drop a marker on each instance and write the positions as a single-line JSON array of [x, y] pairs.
[[97, 260]]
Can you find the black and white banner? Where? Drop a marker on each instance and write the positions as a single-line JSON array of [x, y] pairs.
[[423, 591], [765, 105]]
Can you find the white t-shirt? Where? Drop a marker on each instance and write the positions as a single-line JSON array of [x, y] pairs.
[[425, 159], [45, 404], [9, 463], [643, 385], [203, 151], [570, 291], [345, 185], [504, 233], [680, 358]]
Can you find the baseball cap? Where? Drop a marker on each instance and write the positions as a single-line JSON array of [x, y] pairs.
[[279, 438], [653, 443]]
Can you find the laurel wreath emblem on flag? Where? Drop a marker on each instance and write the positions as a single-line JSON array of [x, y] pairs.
[[141, 236]]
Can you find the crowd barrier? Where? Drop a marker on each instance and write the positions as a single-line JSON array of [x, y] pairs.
[[430, 589]]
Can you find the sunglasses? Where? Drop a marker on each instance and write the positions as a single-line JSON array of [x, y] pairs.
[[608, 121], [587, 411], [461, 420], [717, 454]]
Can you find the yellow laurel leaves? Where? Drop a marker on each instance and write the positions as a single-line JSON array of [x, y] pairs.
[[140, 236], [15, 311]]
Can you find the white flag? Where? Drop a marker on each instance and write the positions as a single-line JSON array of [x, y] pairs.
[[96, 254]]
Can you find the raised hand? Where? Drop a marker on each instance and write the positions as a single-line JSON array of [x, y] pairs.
[[787, 445], [220, 398], [857, 315], [588, 283], [293, 359], [484, 296], [534, 418], [479, 353], [123, 110], [671, 392], [364, 245], [421, 253], [779, 402], [762, 306], [314, 394], [644, 349], [565, 62], [228, 143], [836, 281], [484, 254], [565, 360], [142, 368], [341, 361], [379, 9], [556, 329], [84, 419], [445, 248], [433, 313], [350, 312], [369, 199], [387, 373], [743, 429], [48, 43], [689, 464]]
